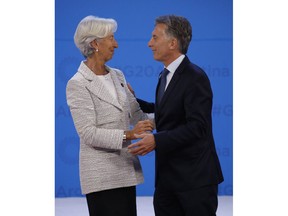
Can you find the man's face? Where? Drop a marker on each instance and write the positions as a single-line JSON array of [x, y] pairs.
[[160, 44]]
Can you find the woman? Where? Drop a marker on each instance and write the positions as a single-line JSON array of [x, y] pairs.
[[103, 109]]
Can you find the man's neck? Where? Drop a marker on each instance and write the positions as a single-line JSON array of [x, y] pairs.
[[172, 58]]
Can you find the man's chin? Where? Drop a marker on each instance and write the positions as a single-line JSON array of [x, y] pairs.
[[155, 57]]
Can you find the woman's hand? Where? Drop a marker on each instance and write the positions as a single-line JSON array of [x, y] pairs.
[[146, 126]]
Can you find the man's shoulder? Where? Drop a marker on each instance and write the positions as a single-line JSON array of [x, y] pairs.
[[189, 65], [192, 71]]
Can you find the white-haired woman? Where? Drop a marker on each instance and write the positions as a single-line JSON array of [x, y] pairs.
[[103, 109]]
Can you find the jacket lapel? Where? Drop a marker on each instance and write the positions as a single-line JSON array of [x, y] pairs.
[[96, 86], [119, 86], [173, 82]]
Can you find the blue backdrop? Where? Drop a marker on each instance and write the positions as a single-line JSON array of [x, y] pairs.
[[211, 49]]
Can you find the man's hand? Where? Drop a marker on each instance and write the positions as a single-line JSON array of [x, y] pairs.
[[131, 89], [143, 146]]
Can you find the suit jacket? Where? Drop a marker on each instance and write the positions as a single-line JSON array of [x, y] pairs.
[[100, 121], [185, 151]]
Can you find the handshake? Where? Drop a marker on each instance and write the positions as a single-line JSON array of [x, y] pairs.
[[142, 130]]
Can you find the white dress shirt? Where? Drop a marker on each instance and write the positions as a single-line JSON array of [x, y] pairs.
[[108, 82], [172, 68]]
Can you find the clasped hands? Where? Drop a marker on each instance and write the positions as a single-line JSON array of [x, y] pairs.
[[142, 130]]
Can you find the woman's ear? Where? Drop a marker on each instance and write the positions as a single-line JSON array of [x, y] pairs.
[[94, 44]]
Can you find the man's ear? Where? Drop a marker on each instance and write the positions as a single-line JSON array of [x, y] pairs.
[[173, 43]]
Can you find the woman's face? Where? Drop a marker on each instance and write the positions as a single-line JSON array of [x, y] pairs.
[[106, 47]]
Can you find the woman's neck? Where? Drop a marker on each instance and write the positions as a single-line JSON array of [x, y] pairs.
[[98, 68]]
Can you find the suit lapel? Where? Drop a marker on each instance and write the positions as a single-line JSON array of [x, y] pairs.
[[169, 88], [173, 82]]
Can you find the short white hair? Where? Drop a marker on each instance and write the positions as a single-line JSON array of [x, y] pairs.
[[91, 28]]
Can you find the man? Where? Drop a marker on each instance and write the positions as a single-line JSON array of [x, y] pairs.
[[187, 166]]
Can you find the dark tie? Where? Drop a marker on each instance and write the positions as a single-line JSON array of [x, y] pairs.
[[162, 85]]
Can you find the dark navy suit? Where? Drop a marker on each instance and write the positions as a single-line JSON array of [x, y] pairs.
[[186, 157]]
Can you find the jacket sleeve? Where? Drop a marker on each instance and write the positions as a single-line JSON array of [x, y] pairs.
[[84, 116], [147, 107]]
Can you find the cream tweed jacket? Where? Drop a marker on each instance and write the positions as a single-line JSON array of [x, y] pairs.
[[100, 121]]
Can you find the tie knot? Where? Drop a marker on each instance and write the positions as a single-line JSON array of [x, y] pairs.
[[165, 72]]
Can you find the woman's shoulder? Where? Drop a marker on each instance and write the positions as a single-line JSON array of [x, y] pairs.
[[76, 81]]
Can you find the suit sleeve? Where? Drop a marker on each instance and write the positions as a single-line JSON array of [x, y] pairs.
[[146, 106], [197, 111]]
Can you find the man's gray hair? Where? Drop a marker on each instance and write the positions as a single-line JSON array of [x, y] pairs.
[[178, 27]]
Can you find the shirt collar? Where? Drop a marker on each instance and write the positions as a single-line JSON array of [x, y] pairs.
[[175, 64]]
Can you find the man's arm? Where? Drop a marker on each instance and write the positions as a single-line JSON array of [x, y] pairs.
[[144, 105]]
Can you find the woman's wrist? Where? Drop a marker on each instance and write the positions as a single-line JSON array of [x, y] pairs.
[[128, 135]]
